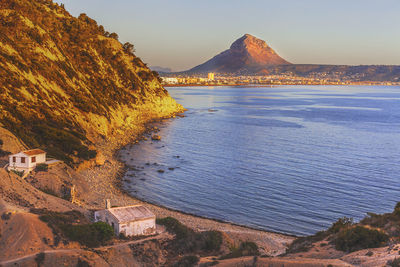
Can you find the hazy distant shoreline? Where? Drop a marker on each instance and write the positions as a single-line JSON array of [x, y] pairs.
[[271, 85]]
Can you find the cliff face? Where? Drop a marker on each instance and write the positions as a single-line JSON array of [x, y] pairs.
[[247, 53], [66, 83]]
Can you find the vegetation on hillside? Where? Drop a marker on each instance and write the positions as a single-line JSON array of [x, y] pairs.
[[73, 226], [62, 78], [188, 241], [244, 249], [375, 230]]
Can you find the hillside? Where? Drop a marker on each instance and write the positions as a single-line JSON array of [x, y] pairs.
[[246, 54], [66, 84], [249, 55]]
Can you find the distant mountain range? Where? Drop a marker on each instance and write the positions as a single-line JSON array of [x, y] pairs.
[[249, 55]]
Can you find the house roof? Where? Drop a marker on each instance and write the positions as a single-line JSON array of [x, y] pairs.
[[131, 213], [33, 152]]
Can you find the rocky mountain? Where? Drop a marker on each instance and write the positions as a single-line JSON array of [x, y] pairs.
[[246, 54], [66, 84], [251, 56]]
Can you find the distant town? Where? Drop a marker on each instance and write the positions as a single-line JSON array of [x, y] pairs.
[[288, 78]]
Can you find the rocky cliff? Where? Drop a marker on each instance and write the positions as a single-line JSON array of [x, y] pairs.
[[66, 83], [247, 53]]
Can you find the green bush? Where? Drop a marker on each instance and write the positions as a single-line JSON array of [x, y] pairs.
[[359, 237], [188, 241], [42, 167], [305, 243], [90, 235], [174, 226], [4, 153], [340, 224], [245, 249], [396, 210], [19, 173], [76, 227], [39, 259], [212, 240]]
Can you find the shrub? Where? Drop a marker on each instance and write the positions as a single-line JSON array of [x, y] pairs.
[[90, 235], [212, 240], [305, 243], [174, 226], [340, 224], [188, 241], [74, 226], [19, 173], [244, 249], [4, 153], [187, 261], [396, 210], [39, 259], [129, 48], [359, 237], [6, 216], [42, 167]]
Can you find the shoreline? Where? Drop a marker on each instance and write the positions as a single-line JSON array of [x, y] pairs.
[[209, 218], [275, 85], [149, 131], [106, 183]]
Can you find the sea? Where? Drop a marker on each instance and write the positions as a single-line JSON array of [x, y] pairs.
[[288, 159]]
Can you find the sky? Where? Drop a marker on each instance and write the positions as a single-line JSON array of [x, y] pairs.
[[181, 34]]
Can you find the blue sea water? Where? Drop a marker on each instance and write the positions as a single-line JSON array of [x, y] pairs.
[[291, 159]]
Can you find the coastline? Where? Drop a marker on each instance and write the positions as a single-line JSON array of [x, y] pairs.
[[106, 183], [280, 84]]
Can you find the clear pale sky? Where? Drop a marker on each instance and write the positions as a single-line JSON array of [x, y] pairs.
[[181, 34]]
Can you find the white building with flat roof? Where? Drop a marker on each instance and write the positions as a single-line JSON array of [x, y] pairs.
[[130, 221]]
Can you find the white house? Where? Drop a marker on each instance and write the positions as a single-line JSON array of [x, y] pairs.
[[130, 220], [26, 160]]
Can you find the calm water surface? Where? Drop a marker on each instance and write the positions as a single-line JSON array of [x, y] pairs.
[[290, 159]]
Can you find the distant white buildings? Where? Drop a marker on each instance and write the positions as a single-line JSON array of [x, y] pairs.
[[130, 220], [211, 76], [169, 80], [26, 160]]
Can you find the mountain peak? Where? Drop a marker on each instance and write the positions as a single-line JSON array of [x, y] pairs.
[[246, 54], [248, 40]]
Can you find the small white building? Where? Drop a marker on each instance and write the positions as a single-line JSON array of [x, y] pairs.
[[130, 220], [26, 160]]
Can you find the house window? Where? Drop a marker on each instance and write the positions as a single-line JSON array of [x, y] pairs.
[[33, 160], [14, 159], [22, 160]]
